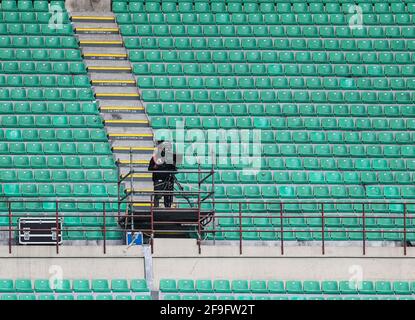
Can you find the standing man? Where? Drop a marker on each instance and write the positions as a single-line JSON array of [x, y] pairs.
[[164, 160]]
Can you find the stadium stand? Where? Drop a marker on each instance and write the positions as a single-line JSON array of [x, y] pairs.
[[186, 289], [53, 143], [333, 101], [77, 289]]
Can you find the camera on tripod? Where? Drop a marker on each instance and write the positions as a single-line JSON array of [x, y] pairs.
[[164, 153]]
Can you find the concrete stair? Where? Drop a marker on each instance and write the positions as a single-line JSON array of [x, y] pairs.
[[116, 92]]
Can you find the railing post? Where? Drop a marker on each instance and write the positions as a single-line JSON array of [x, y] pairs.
[[364, 229], [240, 227], [10, 226], [118, 192], [152, 223], [199, 231], [131, 170], [282, 228], [404, 229], [104, 228], [213, 199], [57, 226], [322, 229]]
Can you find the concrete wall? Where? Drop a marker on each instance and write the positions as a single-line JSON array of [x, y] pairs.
[[178, 258], [73, 261], [95, 6]]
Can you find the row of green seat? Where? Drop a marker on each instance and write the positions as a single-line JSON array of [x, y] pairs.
[[35, 29], [43, 67], [358, 153], [273, 1], [44, 81], [69, 108], [258, 83], [288, 287], [285, 96], [69, 222], [268, 136], [271, 70], [294, 123], [323, 16], [329, 221], [25, 5], [57, 121], [57, 162], [73, 286], [261, 31], [92, 235], [80, 148], [40, 54], [42, 94], [253, 7], [276, 110], [308, 163], [30, 17], [77, 221], [245, 43], [313, 191], [314, 235], [300, 177], [58, 176], [221, 56], [59, 190], [74, 297], [32, 42], [260, 207], [53, 135], [262, 19], [275, 297], [35, 208]]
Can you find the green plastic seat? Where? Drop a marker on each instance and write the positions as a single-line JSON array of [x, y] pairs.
[[81, 285], [119, 285], [23, 285], [221, 286], [42, 286], [7, 285], [168, 285], [185, 285], [204, 286]]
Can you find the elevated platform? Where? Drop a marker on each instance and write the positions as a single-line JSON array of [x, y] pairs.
[[166, 222]]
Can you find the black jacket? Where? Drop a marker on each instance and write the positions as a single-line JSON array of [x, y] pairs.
[[163, 167]]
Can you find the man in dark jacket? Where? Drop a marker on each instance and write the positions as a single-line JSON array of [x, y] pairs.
[[163, 159]]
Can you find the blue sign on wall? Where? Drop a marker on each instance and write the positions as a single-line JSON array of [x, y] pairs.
[[136, 236]]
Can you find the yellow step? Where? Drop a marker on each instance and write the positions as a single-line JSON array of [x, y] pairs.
[[140, 190], [131, 135], [113, 81], [101, 42], [142, 204], [100, 68], [113, 55], [142, 162], [126, 122], [120, 108], [139, 175], [103, 18], [126, 95], [97, 29], [133, 148]]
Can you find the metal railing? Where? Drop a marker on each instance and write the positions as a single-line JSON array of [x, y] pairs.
[[280, 225], [209, 226]]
